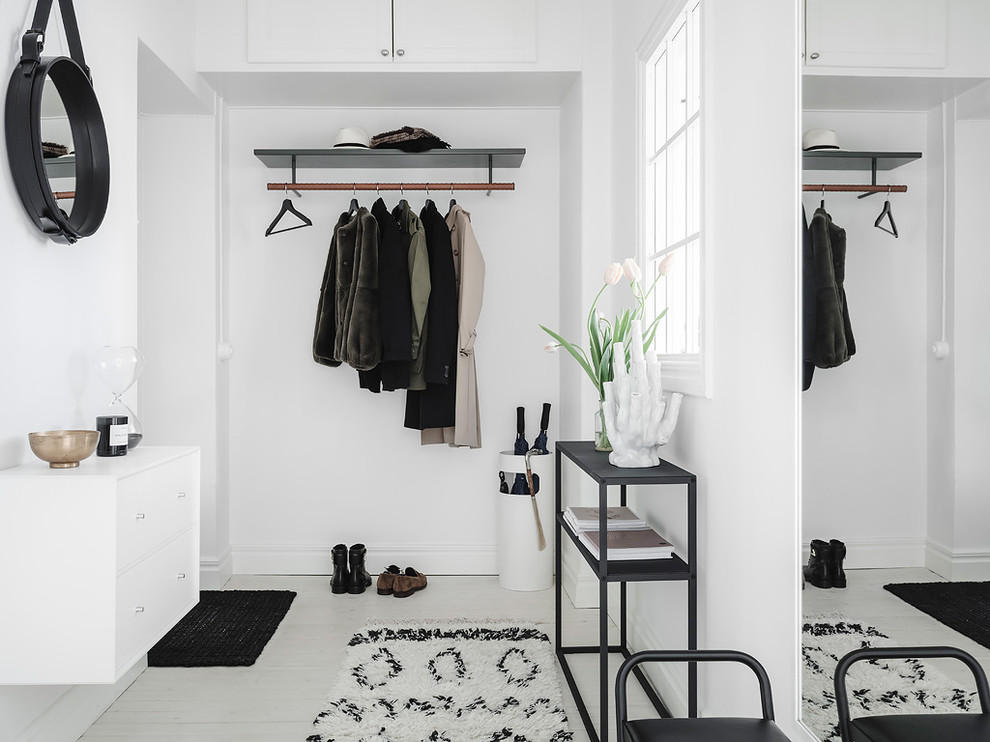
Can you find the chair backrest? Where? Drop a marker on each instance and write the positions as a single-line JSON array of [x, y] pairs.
[[902, 653], [688, 655]]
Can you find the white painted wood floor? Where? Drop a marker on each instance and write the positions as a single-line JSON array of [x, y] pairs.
[[279, 696], [865, 600]]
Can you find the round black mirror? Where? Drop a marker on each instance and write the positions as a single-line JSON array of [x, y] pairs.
[[56, 139]]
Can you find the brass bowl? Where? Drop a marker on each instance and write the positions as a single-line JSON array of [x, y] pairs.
[[64, 449]]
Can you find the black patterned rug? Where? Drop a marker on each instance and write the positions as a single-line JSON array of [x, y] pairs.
[[963, 606], [227, 628], [446, 681], [878, 687]]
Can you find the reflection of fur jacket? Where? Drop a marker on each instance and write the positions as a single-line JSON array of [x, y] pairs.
[[347, 323], [834, 342]]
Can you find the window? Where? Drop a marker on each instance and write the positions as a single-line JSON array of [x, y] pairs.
[[671, 188]]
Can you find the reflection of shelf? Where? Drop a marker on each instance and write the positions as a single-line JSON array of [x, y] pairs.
[[61, 167], [390, 158], [830, 159]]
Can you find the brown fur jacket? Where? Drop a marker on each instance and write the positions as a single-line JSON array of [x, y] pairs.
[[347, 322]]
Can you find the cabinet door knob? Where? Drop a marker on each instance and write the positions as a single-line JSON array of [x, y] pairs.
[[385, 52], [181, 576], [139, 609], [814, 55], [139, 516], [181, 495], [400, 52]]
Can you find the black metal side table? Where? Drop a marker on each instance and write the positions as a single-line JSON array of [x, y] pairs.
[[595, 464]]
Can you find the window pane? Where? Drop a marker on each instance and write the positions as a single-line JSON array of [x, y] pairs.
[[692, 319], [677, 81], [659, 201], [676, 285], [694, 60], [660, 301], [676, 182], [659, 113], [693, 174]]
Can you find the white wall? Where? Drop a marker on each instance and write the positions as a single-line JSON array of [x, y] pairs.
[[961, 549], [314, 460], [742, 443], [864, 460]]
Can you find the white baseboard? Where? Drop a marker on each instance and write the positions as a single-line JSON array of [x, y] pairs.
[[445, 559], [671, 686], [881, 553], [74, 712], [960, 566], [580, 585], [214, 573]]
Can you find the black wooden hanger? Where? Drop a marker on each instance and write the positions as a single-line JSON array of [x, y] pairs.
[[288, 208], [886, 212]]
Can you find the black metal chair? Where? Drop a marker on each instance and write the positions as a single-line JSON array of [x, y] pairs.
[[934, 727], [718, 729]]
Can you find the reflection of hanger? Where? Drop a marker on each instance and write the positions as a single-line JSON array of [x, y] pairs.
[[886, 212], [287, 208]]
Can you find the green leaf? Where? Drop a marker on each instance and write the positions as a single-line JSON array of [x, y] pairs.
[[578, 354]]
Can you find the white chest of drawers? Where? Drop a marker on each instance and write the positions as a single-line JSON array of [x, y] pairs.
[[96, 563]]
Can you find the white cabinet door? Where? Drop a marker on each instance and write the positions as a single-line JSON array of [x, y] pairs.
[[464, 31], [875, 33], [318, 31]]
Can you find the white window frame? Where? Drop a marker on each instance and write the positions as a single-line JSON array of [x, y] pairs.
[[682, 372]]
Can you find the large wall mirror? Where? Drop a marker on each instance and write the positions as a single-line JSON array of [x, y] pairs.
[[56, 138]]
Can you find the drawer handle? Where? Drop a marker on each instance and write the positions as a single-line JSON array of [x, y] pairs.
[[181, 576], [139, 516], [139, 609], [182, 495]]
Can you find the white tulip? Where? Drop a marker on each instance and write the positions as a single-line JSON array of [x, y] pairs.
[[631, 270], [551, 347], [613, 273]]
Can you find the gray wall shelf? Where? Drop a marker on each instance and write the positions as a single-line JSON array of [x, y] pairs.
[[391, 158], [830, 159]]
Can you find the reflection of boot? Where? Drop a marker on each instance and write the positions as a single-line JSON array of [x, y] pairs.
[[836, 575], [359, 579], [817, 572], [341, 574]]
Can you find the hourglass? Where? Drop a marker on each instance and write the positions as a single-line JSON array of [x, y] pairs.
[[118, 368]]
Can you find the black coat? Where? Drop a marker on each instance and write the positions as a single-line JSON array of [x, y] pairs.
[[434, 407], [395, 305]]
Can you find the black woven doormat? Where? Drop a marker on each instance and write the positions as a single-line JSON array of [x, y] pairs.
[[227, 628], [963, 606]]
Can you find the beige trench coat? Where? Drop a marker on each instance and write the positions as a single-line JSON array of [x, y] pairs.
[[469, 270]]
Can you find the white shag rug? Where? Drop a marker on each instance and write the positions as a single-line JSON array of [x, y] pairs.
[[446, 681], [874, 688]]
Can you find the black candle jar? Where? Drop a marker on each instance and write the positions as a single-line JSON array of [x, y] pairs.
[[113, 435]]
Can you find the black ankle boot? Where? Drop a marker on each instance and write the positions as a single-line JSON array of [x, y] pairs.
[[836, 575], [341, 574], [817, 571], [360, 579]]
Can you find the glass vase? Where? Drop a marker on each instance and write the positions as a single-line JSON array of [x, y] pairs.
[[601, 435]]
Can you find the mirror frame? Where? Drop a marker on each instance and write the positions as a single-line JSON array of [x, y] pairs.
[[24, 137]]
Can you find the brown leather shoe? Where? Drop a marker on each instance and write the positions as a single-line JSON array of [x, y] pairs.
[[386, 580], [408, 582]]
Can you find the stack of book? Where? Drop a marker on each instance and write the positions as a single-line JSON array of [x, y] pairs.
[[628, 536], [618, 518]]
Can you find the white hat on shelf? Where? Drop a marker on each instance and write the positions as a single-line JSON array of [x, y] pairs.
[[352, 137], [819, 139]]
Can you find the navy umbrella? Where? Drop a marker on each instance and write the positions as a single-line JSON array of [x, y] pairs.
[[540, 444], [520, 486]]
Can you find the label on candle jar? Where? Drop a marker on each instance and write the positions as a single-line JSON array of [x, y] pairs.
[[117, 435]]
